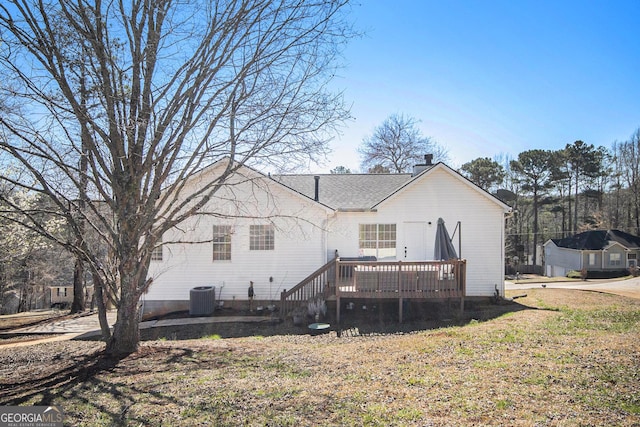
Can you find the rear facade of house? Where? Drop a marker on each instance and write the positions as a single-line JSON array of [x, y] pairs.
[[275, 231]]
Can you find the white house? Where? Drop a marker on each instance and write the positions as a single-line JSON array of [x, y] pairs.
[[275, 231]]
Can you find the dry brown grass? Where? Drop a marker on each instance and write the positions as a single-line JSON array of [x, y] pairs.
[[558, 358], [14, 321]]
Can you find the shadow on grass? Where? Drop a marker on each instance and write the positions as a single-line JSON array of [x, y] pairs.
[[365, 317], [63, 374], [96, 383]]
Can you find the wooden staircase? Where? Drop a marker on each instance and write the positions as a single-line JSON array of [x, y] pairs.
[[318, 283]]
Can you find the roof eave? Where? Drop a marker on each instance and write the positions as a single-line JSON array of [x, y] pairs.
[[357, 210]]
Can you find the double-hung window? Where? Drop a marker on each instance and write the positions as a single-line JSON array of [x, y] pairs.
[[221, 242], [615, 259]]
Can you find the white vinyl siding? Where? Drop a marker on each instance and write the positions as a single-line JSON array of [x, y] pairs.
[[299, 245]]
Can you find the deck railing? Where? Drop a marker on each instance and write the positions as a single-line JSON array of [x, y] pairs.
[[415, 279], [382, 280], [400, 280], [316, 284]]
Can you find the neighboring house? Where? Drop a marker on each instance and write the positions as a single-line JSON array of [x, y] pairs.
[[61, 296], [595, 250], [275, 231]]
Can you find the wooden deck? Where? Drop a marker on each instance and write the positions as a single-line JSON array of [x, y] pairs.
[[419, 280]]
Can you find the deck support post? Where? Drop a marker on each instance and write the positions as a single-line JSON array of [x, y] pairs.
[[338, 309], [462, 305], [400, 308]]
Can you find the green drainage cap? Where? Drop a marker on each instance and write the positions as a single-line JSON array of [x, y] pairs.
[[319, 328]]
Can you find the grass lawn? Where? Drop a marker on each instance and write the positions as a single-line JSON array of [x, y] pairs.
[[553, 358]]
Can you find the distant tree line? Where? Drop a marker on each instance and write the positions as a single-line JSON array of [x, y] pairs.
[[557, 193]]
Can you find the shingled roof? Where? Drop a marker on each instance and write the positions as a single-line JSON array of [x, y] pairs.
[[346, 191], [595, 240]]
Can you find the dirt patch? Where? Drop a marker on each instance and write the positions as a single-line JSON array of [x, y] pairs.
[[380, 318]]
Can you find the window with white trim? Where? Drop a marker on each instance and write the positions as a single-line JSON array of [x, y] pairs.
[[221, 242], [615, 259], [261, 237], [377, 240], [592, 259]]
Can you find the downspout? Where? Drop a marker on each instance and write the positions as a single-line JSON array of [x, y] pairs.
[[325, 236], [459, 240]]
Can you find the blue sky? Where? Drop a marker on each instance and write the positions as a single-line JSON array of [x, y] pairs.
[[492, 77]]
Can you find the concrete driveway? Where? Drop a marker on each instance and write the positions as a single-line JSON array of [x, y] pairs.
[[628, 288]]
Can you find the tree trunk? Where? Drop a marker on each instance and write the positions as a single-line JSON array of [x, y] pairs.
[[126, 331], [78, 288], [575, 212], [535, 226], [98, 286], [78, 304], [569, 213]]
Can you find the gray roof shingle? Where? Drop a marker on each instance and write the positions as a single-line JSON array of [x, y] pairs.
[[596, 240], [346, 191]]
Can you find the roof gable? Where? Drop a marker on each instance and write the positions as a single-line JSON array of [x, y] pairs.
[[596, 240], [443, 167]]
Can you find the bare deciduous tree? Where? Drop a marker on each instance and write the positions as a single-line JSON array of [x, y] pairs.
[[148, 93], [627, 160], [397, 145]]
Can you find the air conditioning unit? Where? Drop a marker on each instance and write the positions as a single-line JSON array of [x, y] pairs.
[[202, 301]]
